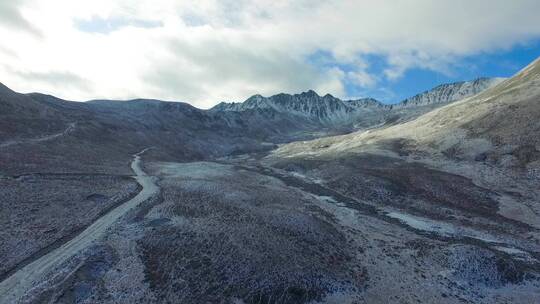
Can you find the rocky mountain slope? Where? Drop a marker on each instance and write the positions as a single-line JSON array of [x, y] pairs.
[[451, 92], [22, 116], [442, 195], [324, 109], [118, 128], [492, 138], [468, 171], [498, 125], [360, 113]]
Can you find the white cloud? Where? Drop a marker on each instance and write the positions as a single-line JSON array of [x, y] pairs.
[[362, 79], [207, 51], [11, 17]]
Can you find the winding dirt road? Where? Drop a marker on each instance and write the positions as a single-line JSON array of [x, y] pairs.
[[17, 285], [70, 128]]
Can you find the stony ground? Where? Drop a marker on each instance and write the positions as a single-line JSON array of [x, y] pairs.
[[439, 209], [41, 211], [241, 232]]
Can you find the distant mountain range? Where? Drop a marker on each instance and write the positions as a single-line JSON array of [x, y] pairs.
[[331, 110], [120, 128], [498, 126], [259, 202], [451, 92]]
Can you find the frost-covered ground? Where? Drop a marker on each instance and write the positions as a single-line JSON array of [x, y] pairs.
[[44, 210], [442, 208], [246, 233]]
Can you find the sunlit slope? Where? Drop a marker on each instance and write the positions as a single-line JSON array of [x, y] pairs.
[[501, 125]]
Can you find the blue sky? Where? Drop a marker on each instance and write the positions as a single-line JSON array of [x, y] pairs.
[[502, 63], [101, 25], [207, 51]]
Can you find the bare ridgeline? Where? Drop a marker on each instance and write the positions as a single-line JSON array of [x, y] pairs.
[[284, 199]]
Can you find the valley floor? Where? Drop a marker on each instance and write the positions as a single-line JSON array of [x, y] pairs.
[[375, 229]]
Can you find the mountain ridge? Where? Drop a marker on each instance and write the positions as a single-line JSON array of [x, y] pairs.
[[428, 188], [449, 92], [328, 108], [499, 126], [118, 127]]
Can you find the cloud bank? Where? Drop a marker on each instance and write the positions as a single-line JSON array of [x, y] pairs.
[[214, 51]]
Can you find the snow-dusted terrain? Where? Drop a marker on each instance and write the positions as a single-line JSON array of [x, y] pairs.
[[325, 109], [20, 284], [451, 92], [284, 199], [329, 110]]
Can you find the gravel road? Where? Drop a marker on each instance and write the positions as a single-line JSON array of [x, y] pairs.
[[70, 128], [16, 286]]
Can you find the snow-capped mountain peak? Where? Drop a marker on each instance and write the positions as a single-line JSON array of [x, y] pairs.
[[451, 92], [328, 109]]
